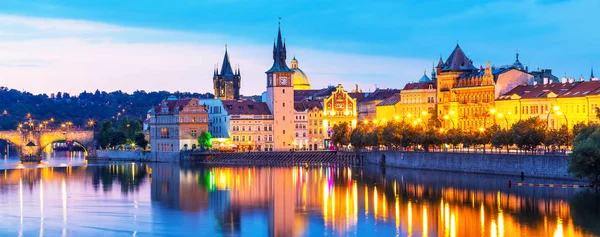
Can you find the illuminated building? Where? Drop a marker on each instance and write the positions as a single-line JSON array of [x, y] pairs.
[[465, 94], [566, 103], [251, 125], [226, 82], [218, 119], [338, 108], [309, 125], [175, 124], [300, 79], [414, 103], [367, 106], [280, 97]]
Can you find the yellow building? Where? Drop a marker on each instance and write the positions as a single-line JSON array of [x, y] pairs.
[[466, 95], [310, 134], [250, 125], [558, 104], [338, 108]]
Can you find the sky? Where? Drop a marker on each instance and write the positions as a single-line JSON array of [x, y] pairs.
[[71, 46]]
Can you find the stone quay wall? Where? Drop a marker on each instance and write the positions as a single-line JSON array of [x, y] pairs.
[[543, 166], [116, 155]]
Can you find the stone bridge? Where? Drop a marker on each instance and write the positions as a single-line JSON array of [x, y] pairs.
[[31, 144]]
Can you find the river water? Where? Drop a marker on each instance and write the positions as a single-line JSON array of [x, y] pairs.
[[67, 196]]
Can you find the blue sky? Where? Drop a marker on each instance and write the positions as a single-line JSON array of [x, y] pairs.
[[128, 45]]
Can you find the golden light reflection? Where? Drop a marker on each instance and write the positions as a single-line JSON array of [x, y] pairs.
[[425, 225], [493, 229], [366, 201], [500, 224], [452, 226], [64, 201], [482, 221], [409, 218], [559, 228], [375, 202], [397, 204]]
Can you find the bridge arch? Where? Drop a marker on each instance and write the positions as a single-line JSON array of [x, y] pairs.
[[13, 137], [83, 138]]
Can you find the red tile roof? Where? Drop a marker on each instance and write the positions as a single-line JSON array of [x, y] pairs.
[[246, 107], [574, 89], [380, 94], [306, 104], [419, 85], [172, 105], [392, 100]]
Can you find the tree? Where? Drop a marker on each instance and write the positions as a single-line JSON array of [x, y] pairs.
[[204, 140], [117, 138], [104, 137], [392, 134], [454, 137], [341, 134], [502, 138], [358, 137], [585, 158], [140, 140], [528, 134]]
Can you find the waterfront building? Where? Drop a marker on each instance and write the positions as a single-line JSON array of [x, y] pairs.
[[466, 95], [309, 129], [280, 97], [339, 107], [300, 79], [251, 125], [218, 118], [175, 124], [415, 103], [367, 107], [226, 82], [566, 103]]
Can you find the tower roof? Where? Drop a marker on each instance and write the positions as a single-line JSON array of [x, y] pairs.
[[424, 78], [226, 65], [279, 55], [458, 61], [440, 63], [517, 65]]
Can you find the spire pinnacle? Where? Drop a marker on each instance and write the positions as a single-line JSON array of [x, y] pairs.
[[592, 74]]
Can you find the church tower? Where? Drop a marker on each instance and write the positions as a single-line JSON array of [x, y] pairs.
[[226, 83], [280, 97]]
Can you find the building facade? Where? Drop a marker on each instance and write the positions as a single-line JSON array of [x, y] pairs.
[[338, 108], [175, 124], [367, 107], [227, 83], [251, 125], [218, 118]]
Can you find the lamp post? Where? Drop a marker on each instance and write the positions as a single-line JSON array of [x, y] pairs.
[[446, 117], [566, 123], [556, 109], [500, 115]]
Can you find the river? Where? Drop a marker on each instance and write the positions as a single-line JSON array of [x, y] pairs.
[[67, 196]]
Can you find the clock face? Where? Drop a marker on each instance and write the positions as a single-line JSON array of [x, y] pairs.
[[283, 81]]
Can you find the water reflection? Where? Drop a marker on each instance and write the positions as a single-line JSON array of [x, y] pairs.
[[159, 199]]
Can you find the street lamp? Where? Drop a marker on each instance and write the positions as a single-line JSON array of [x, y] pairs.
[[500, 115], [446, 117], [556, 109], [566, 123]]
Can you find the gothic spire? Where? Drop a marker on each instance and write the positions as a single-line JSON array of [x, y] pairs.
[[433, 74], [440, 63], [226, 66], [279, 55]]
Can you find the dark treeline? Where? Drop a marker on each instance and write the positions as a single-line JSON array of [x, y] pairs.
[[80, 108]]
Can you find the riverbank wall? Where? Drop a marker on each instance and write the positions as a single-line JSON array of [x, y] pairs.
[[277, 158], [116, 155], [542, 166]]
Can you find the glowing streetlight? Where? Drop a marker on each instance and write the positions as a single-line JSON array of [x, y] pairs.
[[500, 115], [424, 113]]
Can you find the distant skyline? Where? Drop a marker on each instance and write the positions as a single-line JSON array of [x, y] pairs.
[[48, 46]]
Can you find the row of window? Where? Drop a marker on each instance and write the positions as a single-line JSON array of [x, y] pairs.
[[249, 138], [300, 117], [300, 126], [165, 147], [243, 128]]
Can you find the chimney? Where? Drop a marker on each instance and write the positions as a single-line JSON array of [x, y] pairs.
[[564, 80], [545, 80], [535, 83], [571, 80]]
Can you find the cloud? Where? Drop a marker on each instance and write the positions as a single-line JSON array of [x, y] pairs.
[[47, 55]]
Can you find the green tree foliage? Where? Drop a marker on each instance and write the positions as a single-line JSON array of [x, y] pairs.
[[528, 134], [341, 134], [79, 109], [140, 140], [585, 158], [454, 137], [359, 137], [110, 136], [502, 138], [392, 134], [204, 139]]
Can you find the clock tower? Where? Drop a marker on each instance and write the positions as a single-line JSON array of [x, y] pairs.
[[280, 97]]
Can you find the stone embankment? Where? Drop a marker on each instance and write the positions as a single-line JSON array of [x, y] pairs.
[[279, 158], [544, 166]]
